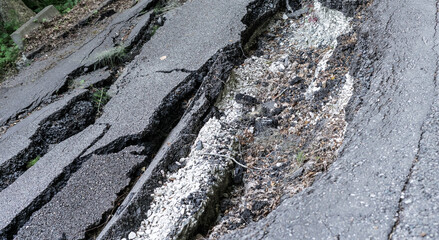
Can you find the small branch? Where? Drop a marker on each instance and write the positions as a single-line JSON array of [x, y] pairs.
[[320, 149], [234, 160], [280, 94]]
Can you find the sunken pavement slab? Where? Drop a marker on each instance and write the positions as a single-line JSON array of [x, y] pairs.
[[91, 191]]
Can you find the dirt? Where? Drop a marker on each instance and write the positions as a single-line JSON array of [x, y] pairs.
[[287, 139], [66, 28]]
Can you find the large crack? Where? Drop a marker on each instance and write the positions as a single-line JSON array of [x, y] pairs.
[[71, 119], [54, 130], [404, 188], [132, 50], [207, 82], [176, 70], [217, 71]]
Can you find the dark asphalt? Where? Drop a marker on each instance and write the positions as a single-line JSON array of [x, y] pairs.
[[381, 186], [19, 137], [91, 191], [190, 36], [37, 183], [390, 152]]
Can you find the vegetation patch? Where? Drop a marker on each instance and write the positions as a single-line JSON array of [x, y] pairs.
[[8, 50], [63, 6], [111, 56]]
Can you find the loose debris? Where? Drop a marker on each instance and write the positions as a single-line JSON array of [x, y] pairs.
[[299, 76], [66, 28]]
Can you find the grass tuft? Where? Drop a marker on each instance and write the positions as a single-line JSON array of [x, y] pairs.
[[111, 56], [300, 158]]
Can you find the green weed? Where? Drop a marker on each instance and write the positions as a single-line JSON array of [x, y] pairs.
[[100, 98], [158, 9], [154, 29], [32, 162], [300, 158], [63, 6], [8, 50]]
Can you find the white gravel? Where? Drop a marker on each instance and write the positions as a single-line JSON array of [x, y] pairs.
[[320, 28], [183, 197]]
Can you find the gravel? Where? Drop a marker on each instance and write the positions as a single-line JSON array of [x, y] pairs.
[[186, 193]]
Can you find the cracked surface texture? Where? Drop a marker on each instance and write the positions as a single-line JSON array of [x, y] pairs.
[[382, 186], [145, 104], [359, 196]]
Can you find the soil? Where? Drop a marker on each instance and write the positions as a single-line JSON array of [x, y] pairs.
[[287, 139], [66, 28]]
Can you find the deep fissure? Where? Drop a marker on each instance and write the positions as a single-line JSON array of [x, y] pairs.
[[238, 56], [131, 51]]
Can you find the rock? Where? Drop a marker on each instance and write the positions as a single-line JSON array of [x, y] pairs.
[[22, 63], [308, 166], [268, 107], [245, 99], [262, 124], [297, 14], [132, 235], [347, 7], [296, 80], [259, 205], [276, 67], [46, 14], [286, 62], [199, 145], [297, 173], [247, 215]]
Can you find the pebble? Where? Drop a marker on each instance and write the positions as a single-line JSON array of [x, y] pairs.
[[199, 146], [132, 235]]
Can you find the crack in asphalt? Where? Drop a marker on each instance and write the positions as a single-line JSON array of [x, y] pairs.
[[100, 44], [423, 131], [177, 70], [404, 188]]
